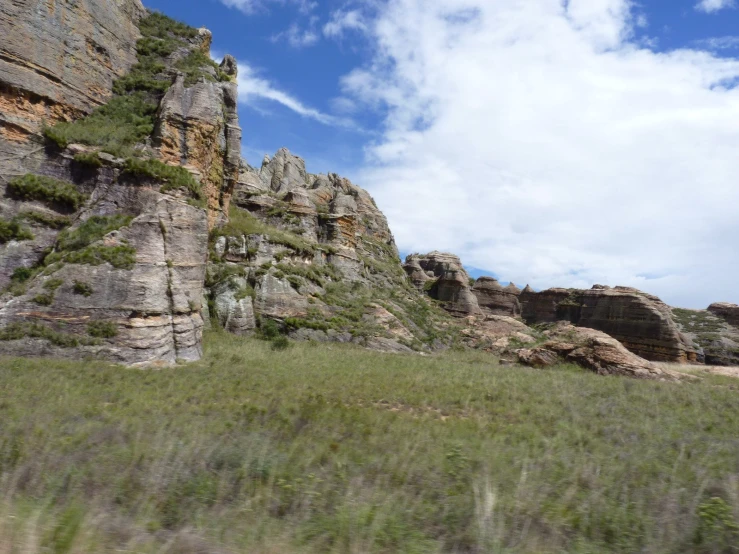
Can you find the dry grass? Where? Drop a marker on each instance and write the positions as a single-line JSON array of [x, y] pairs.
[[334, 449]]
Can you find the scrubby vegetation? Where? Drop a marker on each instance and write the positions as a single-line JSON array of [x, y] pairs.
[[47, 298], [17, 331], [91, 230], [46, 189], [90, 159], [102, 329], [13, 230], [241, 222], [47, 220], [173, 177], [337, 449], [129, 117], [121, 257], [82, 288]]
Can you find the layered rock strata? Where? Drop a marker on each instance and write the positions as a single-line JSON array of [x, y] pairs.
[[314, 254], [642, 322], [593, 350], [107, 256], [58, 60]]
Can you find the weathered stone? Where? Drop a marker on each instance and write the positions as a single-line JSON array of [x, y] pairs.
[[643, 323], [494, 299], [451, 285], [235, 315], [58, 60], [593, 350], [726, 311]]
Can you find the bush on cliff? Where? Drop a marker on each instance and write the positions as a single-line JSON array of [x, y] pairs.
[[46, 189]]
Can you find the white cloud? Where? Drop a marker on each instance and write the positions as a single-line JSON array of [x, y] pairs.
[[297, 37], [253, 88], [251, 6], [342, 21], [536, 140], [710, 6], [719, 43]]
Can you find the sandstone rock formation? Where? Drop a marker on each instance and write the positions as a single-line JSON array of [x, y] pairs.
[[643, 323], [715, 330], [58, 60], [105, 253], [494, 299], [444, 278], [593, 350], [313, 253]]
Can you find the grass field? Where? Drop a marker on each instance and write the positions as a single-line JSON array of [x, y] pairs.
[[334, 449]]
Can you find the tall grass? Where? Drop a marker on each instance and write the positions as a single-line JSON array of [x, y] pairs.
[[329, 448]]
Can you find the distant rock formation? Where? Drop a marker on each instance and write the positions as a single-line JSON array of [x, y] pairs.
[[494, 299], [442, 276], [593, 350], [642, 322], [726, 311]]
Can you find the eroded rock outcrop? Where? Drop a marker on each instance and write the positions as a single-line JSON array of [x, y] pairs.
[[58, 60], [641, 322], [315, 254], [105, 247], [593, 350], [495, 299], [713, 330], [443, 278]]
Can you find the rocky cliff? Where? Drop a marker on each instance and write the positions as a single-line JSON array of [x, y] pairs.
[[110, 180]]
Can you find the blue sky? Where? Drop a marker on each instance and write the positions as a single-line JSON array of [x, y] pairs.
[[551, 142]]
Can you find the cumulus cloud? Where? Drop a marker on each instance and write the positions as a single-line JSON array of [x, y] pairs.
[[539, 141], [342, 21], [710, 6]]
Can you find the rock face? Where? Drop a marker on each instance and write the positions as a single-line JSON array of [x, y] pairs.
[[314, 254], [593, 350], [643, 323], [58, 60], [494, 299], [111, 257], [198, 128], [443, 277], [726, 311], [715, 330]]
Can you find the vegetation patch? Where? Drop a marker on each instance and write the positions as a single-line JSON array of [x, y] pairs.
[[120, 257], [13, 230], [102, 329], [89, 159], [247, 291], [172, 177], [47, 220], [92, 230], [82, 288], [47, 298], [242, 222], [319, 274], [195, 67], [18, 331], [46, 189]]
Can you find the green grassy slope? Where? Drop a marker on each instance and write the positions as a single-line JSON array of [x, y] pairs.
[[336, 449]]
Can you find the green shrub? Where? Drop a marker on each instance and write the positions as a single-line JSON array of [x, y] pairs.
[[102, 329], [115, 127], [90, 159], [83, 289], [194, 67], [17, 331], [158, 25], [13, 230], [173, 177], [51, 221], [91, 230], [241, 222], [280, 343], [268, 329], [23, 274], [120, 257], [46, 189], [717, 529], [429, 285], [245, 292]]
